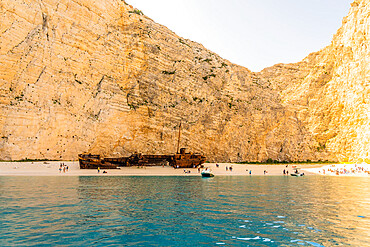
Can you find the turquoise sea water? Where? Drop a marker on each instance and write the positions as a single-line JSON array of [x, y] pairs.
[[184, 211]]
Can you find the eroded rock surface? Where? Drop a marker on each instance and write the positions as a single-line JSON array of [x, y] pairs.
[[99, 76]]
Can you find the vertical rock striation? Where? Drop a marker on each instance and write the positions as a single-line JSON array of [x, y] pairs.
[[332, 98], [99, 76]]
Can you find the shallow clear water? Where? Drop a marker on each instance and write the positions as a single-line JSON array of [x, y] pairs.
[[184, 211]]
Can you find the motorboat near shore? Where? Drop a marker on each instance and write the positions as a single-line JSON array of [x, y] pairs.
[[207, 173], [297, 173]]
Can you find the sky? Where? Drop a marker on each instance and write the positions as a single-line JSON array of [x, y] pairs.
[[252, 33]]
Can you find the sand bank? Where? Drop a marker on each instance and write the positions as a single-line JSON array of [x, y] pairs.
[[51, 168]]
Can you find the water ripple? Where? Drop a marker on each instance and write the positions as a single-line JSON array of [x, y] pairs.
[[186, 211]]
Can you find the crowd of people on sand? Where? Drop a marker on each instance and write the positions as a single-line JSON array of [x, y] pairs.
[[63, 167], [346, 169]]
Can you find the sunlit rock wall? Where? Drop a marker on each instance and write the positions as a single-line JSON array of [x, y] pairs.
[[333, 99], [99, 76]]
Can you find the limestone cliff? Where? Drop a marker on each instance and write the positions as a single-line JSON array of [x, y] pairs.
[[333, 98], [99, 76]]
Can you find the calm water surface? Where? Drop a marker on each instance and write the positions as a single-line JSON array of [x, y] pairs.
[[184, 211]]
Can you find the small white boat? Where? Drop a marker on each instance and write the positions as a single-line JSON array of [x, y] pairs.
[[297, 173], [207, 173]]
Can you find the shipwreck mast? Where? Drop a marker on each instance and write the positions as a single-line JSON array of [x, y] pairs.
[[178, 141]]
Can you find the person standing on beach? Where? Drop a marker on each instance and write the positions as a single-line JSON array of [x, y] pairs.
[[250, 172], [98, 169]]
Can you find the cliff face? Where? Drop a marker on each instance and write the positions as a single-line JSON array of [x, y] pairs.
[[101, 77], [333, 98]]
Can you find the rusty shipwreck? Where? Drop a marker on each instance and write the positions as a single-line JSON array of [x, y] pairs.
[[181, 159]]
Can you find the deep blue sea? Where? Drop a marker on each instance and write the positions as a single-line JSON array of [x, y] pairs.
[[185, 211]]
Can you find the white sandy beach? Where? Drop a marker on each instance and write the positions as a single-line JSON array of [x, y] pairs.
[[358, 170], [51, 168]]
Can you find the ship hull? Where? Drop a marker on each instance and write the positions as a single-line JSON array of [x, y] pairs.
[[94, 162], [180, 160]]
